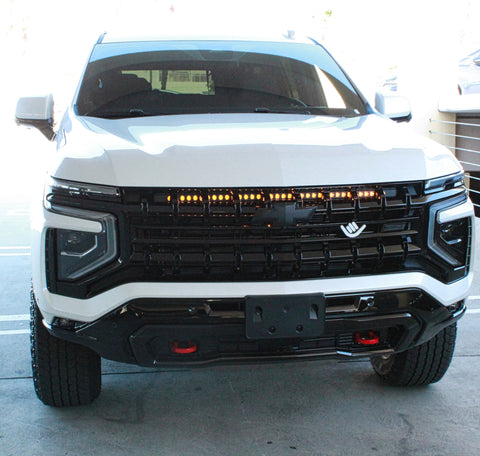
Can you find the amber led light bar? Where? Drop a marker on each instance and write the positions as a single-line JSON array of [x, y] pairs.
[[312, 195], [367, 194], [284, 196], [251, 197], [186, 198], [254, 196], [342, 195], [220, 198]]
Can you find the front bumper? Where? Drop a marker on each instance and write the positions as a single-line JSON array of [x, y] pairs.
[[92, 309], [148, 332]]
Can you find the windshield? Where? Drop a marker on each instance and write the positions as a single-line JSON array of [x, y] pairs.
[[217, 77]]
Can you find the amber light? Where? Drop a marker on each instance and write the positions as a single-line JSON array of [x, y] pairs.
[[250, 197], [220, 198], [284, 196], [188, 198], [340, 195], [311, 195], [366, 194]]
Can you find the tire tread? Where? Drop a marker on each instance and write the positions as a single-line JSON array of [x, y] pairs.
[[64, 373], [421, 365]]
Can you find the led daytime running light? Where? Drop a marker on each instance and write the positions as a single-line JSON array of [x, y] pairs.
[[80, 190]]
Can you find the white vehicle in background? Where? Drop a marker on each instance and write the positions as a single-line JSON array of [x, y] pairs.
[[469, 74], [228, 200]]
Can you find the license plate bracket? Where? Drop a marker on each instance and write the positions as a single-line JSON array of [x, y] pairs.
[[284, 316]]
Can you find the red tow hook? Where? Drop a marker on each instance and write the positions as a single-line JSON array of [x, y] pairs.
[[184, 348], [371, 338]]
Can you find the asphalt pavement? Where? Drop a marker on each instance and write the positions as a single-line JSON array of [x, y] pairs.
[[317, 408]]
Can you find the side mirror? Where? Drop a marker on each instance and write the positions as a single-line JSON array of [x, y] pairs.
[[395, 107], [36, 112]]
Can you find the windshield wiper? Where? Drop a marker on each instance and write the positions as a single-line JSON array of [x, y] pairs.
[[120, 114], [300, 110]]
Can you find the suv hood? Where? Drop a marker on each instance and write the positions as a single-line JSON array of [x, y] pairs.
[[245, 150]]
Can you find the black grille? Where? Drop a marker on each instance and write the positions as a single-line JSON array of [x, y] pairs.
[[263, 239]]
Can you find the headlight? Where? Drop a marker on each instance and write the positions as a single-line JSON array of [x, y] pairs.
[[450, 232], [79, 253], [453, 239]]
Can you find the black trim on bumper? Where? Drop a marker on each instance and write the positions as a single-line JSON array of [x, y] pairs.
[[144, 331]]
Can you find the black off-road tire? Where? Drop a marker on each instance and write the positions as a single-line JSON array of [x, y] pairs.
[[420, 365], [64, 374]]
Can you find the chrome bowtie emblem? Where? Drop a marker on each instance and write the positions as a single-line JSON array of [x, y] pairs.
[[352, 230]]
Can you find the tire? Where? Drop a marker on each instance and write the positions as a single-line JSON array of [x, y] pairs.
[[64, 374], [421, 365]]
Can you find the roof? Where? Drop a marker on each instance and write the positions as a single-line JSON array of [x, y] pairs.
[[123, 37]]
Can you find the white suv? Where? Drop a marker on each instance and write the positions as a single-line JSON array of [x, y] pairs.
[[220, 200]]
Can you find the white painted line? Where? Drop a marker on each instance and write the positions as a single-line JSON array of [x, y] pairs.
[[8, 251], [12, 332], [473, 311], [473, 298], [22, 317], [18, 212]]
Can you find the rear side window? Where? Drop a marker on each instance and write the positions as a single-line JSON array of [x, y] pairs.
[[213, 81]]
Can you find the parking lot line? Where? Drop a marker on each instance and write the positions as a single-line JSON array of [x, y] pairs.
[[10, 332], [18, 212], [21, 317], [14, 250], [473, 298]]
